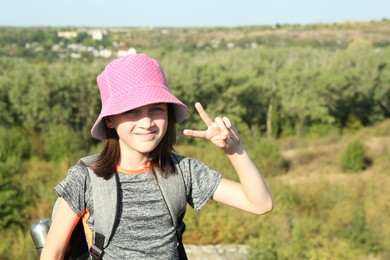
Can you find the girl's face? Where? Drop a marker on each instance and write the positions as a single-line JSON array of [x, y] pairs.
[[140, 130]]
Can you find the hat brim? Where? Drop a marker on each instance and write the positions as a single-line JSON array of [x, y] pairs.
[[138, 97]]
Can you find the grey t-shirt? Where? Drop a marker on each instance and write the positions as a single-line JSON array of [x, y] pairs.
[[144, 228]]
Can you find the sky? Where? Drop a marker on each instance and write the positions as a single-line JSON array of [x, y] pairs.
[[187, 13]]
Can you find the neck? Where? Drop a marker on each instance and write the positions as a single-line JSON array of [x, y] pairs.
[[133, 161]]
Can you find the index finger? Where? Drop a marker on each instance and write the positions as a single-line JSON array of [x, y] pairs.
[[202, 113]]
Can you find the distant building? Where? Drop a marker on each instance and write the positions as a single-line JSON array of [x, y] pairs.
[[67, 34], [230, 45], [105, 53], [125, 51], [98, 34]]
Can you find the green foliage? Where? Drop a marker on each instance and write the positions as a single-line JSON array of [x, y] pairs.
[[267, 156], [13, 150], [264, 248], [62, 142], [360, 235], [35, 95], [275, 130], [320, 130], [260, 89], [353, 123], [357, 44], [13, 201], [17, 244], [354, 157], [14, 144]]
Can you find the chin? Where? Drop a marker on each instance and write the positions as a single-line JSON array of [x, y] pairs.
[[147, 149]]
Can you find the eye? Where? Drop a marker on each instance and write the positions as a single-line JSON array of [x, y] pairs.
[[157, 109], [132, 112]]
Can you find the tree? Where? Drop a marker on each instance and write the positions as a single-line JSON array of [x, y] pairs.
[[13, 203]]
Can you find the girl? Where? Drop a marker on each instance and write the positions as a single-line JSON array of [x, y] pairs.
[[137, 123]]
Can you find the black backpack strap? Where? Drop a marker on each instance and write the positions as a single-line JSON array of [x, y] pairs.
[[105, 199], [173, 189], [181, 251], [97, 249]]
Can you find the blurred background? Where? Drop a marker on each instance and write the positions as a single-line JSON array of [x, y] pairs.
[[307, 85]]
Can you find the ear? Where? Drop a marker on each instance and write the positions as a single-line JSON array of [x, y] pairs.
[[108, 121]]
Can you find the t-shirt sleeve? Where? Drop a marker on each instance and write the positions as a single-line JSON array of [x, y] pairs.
[[73, 188], [201, 182]]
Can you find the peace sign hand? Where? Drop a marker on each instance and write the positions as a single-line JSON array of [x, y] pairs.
[[221, 131]]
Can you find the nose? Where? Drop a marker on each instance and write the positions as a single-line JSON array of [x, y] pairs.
[[146, 122]]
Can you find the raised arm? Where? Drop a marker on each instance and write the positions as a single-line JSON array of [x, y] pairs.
[[57, 240], [251, 193]]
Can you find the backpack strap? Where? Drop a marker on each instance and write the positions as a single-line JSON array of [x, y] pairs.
[[105, 196], [173, 189]]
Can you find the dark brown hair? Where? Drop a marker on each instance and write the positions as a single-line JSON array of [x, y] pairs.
[[104, 165]]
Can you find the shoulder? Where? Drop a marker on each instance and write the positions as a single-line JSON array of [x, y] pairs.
[[181, 162], [182, 159], [188, 163], [81, 167], [190, 167], [79, 171], [87, 160], [177, 158], [75, 188]]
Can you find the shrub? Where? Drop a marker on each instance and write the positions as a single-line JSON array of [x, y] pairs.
[[14, 144], [354, 157], [14, 149], [62, 142], [12, 201]]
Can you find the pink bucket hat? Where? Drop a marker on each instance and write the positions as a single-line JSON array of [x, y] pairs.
[[130, 82]]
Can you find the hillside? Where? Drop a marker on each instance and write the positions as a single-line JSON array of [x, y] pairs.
[[322, 157], [318, 34], [52, 43]]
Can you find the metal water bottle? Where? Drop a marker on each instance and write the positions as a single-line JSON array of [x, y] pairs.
[[39, 232]]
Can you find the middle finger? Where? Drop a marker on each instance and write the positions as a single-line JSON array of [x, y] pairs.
[[221, 124]]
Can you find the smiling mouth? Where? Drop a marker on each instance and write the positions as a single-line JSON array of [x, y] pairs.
[[148, 135]]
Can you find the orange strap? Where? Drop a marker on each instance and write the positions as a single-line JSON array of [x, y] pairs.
[[87, 229]]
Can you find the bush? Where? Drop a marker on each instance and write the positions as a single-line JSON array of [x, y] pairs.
[[14, 144], [14, 149], [13, 202], [62, 142], [354, 157]]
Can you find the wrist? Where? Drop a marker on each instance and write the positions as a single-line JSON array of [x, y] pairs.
[[236, 148]]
